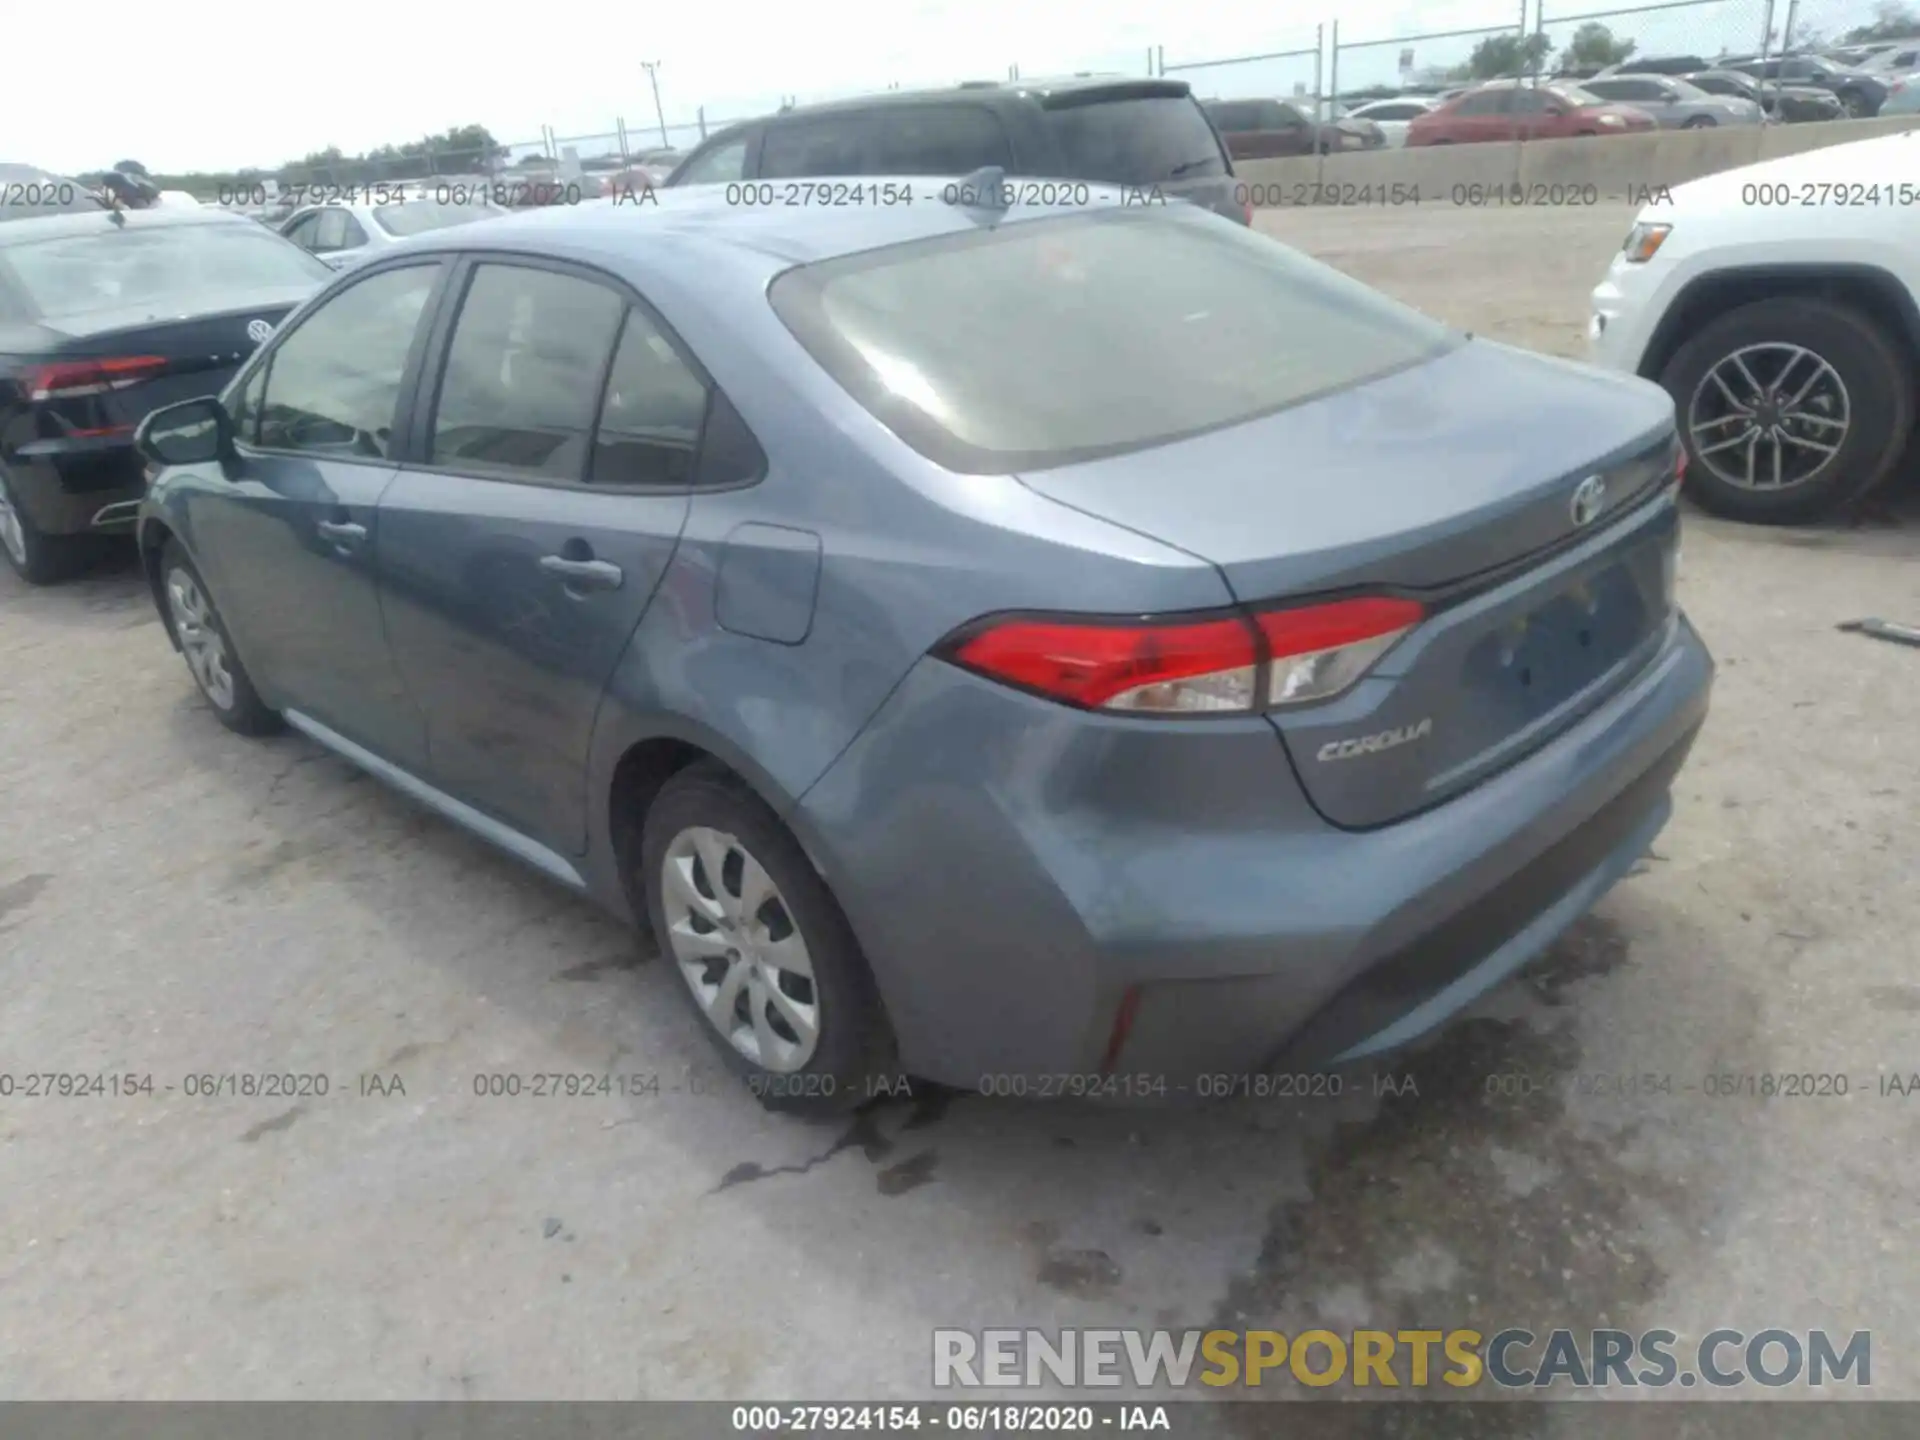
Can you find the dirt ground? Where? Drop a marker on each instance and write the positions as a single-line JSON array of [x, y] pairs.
[[175, 901]]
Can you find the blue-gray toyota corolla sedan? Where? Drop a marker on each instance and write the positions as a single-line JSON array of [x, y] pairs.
[[1073, 648]]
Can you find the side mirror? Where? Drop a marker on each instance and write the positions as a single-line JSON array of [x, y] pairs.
[[193, 432], [1555, 109]]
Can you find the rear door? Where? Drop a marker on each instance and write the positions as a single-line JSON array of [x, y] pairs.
[[518, 551], [1148, 133], [286, 534]]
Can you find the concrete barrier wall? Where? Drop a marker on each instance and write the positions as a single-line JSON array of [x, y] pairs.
[[1621, 167]]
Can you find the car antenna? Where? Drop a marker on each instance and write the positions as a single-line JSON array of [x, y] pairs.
[[984, 193]]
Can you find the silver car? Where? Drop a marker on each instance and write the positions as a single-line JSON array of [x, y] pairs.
[[1675, 103], [1393, 116], [342, 233]]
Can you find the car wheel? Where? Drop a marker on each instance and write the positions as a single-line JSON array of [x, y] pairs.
[[1700, 122], [208, 651], [33, 555], [1855, 104], [764, 954], [1789, 408]]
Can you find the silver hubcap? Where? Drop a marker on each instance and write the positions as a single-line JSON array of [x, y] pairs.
[[200, 642], [738, 947], [1769, 417], [12, 535]]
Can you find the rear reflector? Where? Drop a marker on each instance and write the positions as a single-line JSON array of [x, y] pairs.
[[1233, 665], [64, 379]]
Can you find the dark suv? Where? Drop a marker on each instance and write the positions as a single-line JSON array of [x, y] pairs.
[[1102, 129]]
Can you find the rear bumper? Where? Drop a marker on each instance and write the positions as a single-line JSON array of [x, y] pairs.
[[90, 490], [1015, 873]]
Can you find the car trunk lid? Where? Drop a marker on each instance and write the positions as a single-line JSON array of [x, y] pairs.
[[1423, 484]]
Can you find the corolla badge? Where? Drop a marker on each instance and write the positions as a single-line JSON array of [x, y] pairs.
[[1374, 744], [1589, 499], [259, 331]]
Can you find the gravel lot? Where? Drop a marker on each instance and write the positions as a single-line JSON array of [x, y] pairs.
[[180, 902]]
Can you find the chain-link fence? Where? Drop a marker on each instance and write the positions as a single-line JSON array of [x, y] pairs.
[[1711, 32], [1315, 68], [1296, 73]]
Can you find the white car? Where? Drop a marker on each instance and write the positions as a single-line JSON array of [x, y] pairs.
[[1392, 115], [1777, 304], [341, 233]]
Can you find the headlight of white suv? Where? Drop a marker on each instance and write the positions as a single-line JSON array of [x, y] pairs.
[[1643, 242]]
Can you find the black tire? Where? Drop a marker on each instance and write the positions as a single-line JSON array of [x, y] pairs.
[[42, 559], [1879, 388], [854, 1048], [1700, 122], [241, 711], [1857, 106]]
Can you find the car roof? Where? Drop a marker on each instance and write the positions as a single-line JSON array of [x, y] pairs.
[[1039, 90], [93, 222], [681, 228]]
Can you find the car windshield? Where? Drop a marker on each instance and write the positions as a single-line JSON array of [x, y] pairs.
[[417, 217], [1136, 140], [153, 266], [1047, 342]]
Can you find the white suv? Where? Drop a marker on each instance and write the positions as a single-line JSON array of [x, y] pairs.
[[1776, 304]]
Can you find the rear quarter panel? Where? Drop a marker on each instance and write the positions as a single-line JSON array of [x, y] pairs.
[[908, 553]]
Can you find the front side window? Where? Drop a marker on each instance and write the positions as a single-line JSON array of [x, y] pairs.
[[1110, 331], [333, 384], [523, 373]]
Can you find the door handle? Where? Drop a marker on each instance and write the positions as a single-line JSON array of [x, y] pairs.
[[342, 532], [584, 574]]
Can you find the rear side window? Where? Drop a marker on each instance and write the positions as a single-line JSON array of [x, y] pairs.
[[827, 145], [155, 267], [650, 420], [1139, 140], [936, 140], [523, 373], [1109, 332]]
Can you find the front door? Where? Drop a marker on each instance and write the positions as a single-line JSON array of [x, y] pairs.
[[290, 535], [517, 560]]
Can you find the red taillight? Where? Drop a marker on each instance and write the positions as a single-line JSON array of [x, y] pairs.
[[1192, 667], [1168, 667], [1319, 650], [64, 379]]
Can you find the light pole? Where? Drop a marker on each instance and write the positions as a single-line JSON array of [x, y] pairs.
[[652, 68]]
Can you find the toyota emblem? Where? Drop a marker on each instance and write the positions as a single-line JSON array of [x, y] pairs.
[[258, 331], [1589, 499]]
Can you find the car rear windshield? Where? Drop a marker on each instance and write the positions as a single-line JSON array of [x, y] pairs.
[[152, 265], [1138, 140], [1047, 342], [417, 217]]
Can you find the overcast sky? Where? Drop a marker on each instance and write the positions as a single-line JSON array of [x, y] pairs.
[[218, 84]]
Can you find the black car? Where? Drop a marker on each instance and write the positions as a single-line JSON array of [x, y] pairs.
[[1790, 104], [1860, 93], [103, 317], [1099, 129]]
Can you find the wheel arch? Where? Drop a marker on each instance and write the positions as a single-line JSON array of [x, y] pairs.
[[1875, 292], [152, 538]]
